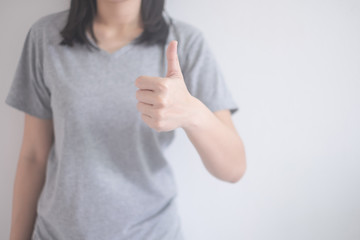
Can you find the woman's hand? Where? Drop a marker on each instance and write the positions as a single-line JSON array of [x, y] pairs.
[[165, 103]]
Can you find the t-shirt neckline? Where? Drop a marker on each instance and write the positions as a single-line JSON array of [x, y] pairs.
[[117, 52]]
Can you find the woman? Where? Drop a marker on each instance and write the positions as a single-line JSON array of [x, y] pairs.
[[104, 85]]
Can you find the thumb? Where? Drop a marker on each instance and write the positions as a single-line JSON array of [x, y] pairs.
[[173, 65]]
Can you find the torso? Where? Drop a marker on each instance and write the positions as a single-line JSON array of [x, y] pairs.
[[107, 175]]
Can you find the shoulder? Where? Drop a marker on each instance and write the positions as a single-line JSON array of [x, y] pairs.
[[183, 31], [56, 20], [189, 36], [48, 27]]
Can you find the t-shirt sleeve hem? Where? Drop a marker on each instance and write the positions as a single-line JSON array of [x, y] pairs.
[[232, 107], [25, 109]]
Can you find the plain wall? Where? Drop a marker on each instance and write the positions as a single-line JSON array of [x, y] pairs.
[[294, 69]]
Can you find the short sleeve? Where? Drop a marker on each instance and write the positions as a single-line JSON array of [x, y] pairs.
[[28, 92], [204, 78]]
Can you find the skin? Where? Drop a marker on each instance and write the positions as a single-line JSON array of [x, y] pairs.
[[164, 103], [30, 175], [117, 23]]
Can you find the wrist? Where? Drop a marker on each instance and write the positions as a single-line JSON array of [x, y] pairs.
[[197, 112]]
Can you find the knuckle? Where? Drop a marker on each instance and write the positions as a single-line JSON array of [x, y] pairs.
[[163, 85], [137, 94], [158, 126], [162, 102], [137, 80], [159, 115], [144, 118]]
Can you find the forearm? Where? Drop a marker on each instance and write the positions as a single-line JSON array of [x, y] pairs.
[[220, 148], [28, 184]]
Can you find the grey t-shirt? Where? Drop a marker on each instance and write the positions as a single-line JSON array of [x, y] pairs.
[[106, 175]]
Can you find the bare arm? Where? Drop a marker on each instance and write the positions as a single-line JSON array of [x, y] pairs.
[[30, 175], [165, 104], [216, 140]]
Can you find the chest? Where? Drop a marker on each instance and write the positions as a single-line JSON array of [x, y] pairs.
[[88, 86]]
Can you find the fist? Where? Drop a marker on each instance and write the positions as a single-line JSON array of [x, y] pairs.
[[164, 101]]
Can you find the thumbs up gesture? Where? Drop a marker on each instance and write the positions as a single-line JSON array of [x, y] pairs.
[[165, 102]]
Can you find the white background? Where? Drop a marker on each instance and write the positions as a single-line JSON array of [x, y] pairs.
[[294, 69]]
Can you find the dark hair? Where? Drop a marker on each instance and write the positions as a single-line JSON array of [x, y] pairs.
[[82, 13]]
